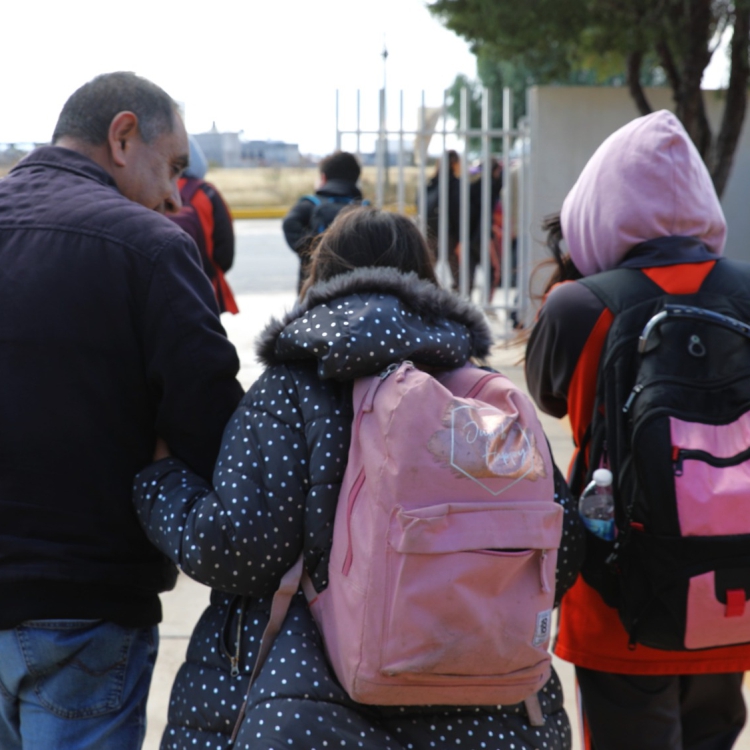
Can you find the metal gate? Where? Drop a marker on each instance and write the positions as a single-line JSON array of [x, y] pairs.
[[507, 303]]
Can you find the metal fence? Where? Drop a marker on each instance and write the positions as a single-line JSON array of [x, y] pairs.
[[507, 302]]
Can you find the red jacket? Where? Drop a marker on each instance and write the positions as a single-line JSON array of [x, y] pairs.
[[206, 218]]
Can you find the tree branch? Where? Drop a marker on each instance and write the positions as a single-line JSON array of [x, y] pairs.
[[634, 83], [668, 64], [691, 109], [721, 156]]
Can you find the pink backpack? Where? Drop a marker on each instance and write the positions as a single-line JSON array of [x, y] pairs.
[[442, 570]]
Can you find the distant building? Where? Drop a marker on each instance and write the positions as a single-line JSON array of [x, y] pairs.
[[270, 153], [228, 151], [221, 149], [392, 146]]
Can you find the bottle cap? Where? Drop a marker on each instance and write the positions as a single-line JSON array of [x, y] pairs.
[[603, 477]]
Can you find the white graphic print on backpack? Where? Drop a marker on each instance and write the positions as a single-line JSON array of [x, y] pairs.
[[445, 541]]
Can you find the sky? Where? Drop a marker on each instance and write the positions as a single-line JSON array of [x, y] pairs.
[[268, 68]]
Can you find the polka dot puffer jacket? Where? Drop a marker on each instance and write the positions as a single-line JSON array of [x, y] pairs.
[[274, 494]]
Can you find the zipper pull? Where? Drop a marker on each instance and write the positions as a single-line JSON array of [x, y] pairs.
[[234, 661], [636, 390], [369, 398], [611, 560], [389, 370], [407, 364], [677, 458]]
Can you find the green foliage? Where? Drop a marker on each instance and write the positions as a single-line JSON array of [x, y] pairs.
[[581, 41], [542, 33], [621, 42], [570, 42]]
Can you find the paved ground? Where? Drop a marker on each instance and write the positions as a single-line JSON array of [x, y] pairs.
[[183, 606]]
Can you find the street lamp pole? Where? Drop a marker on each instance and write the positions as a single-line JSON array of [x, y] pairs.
[[384, 132]]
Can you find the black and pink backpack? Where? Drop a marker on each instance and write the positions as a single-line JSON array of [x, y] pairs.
[[672, 422]]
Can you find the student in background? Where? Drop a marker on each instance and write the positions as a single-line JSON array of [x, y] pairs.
[[206, 218], [432, 212], [313, 214]]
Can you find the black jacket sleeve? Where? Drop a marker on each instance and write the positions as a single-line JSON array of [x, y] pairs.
[[296, 225], [190, 364], [274, 491], [556, 343], [244, 531], [223, 234]]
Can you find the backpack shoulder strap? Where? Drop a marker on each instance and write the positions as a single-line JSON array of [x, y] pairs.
[[622, 288], [189, 189], [729, 277], [314, 199], [466, 381]]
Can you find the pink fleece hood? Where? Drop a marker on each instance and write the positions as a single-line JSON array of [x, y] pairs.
[[646, 180]]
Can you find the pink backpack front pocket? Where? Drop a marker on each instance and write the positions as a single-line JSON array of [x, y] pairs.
[[711, 622], [449, 582], [712, 474]]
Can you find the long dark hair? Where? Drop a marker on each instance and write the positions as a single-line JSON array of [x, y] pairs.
[[564, 268], [453, 162], [364, 236]]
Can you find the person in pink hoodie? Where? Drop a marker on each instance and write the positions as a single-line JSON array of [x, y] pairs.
[[644, 201]]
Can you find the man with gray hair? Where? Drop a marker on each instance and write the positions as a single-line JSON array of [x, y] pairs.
[[109, 338]]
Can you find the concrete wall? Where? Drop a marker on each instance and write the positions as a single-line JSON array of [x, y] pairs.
[[568, 124]]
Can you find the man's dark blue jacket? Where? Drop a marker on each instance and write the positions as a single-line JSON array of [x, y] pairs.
[[109, 336]]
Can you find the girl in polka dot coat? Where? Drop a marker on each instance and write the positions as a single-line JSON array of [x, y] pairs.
[[372, 300]]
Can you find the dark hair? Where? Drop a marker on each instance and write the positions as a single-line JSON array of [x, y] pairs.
[[341, 165], [565, 269], [90, 110], [363, 236], [453, 159]]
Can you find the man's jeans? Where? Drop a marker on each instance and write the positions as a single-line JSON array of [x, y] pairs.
[[74, 685]]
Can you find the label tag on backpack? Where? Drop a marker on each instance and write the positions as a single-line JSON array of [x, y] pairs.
[[543, 628]]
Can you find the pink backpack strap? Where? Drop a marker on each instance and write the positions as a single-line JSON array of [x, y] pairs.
[[534, 710], [279, 608], [467, 380]]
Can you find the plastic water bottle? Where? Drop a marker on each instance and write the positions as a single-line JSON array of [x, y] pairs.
[[597, 506]]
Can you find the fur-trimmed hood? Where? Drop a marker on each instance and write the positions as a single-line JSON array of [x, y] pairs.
[[359, 322]]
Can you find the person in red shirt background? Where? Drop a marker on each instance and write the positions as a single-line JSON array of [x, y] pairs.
[[204, 215]]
